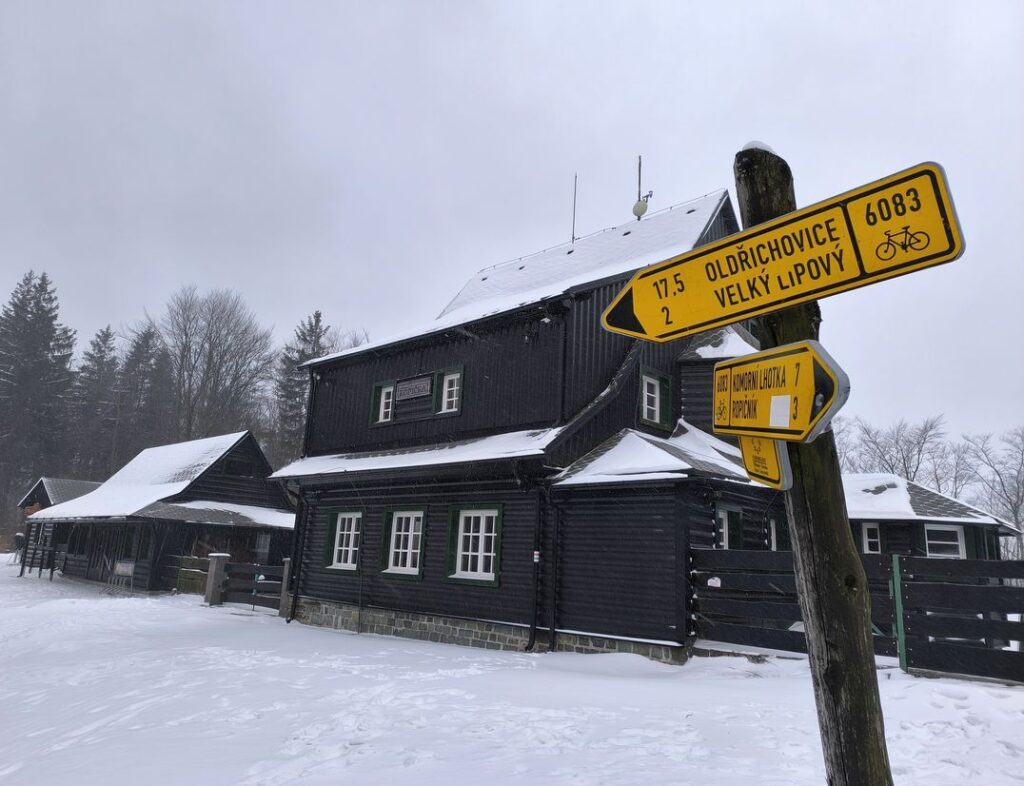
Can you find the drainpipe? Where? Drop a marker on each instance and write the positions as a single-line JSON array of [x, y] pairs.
[[309, 511], [554, 576], [543, 501]]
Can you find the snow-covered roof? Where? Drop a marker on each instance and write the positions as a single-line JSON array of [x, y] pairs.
[[217, 512], [514, 444], [632, 456], [731, 341], [557, 270], [60, 490], [883, 496], [155, 474]]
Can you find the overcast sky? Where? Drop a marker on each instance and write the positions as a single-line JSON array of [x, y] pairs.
[[366, 158]]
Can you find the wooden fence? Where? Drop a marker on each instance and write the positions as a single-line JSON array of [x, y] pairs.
[[184, 574], [258, 585], [956, 616]]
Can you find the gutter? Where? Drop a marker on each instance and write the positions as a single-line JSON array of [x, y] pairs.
[[300, 551]]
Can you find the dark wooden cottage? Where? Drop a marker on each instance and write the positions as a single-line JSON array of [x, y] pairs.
[[514, 475], [892, 515], [45, 493], [426, 504], [185, 499]]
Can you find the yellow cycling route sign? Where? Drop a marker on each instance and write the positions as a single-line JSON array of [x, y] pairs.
[[894, 226], [788, 393]]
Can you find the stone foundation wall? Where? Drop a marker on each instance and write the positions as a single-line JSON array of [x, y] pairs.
[[469, 633]]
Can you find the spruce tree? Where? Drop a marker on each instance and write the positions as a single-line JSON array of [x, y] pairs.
[[96, 408], [313, 339], [35, 386], [145, 396]]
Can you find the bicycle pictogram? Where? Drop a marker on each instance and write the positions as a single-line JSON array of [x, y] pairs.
[[903, 240]]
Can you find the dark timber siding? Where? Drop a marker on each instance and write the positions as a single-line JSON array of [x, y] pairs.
[[498, 364], [510, 601], [696, 383], [617, 571], [240, 477]]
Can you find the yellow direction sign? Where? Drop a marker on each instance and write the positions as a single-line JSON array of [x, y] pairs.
[[767, 461], [788, 393], [888, 228]]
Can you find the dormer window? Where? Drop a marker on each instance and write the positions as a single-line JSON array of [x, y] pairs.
[[655, 399], [384, 403], [451, 392]]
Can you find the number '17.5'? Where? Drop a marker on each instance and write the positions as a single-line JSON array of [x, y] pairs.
[[663, 285]]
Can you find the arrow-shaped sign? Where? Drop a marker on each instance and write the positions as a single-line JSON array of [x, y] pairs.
[[788, 393], [888, 228]]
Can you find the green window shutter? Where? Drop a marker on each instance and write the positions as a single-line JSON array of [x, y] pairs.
[[971, 542], [665, 393], [385, 541], [330, 539], [735, 519], [453, 541], [782, 542]]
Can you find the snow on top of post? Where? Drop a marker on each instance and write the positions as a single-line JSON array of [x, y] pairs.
[[153, 475], [756, 145], [554, 271]]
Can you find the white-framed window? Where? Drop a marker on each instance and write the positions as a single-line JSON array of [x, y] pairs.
[[729, 528], [870, 538], [385, 403], [944, 541], [347, 531], [405, 542], [476, 544], [451, 392], [651, 398]]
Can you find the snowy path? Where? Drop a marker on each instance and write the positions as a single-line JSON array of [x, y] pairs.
[[161, 691]]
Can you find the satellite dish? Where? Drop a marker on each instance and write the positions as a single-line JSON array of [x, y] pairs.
[[640, 208]]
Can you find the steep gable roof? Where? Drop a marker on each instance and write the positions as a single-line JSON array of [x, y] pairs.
[[59, 490], [153, 475], [564, 268]]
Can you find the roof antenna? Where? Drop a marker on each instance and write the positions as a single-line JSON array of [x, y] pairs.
[[575, 176], [641, 201]]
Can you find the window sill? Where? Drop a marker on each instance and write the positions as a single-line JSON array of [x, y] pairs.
[[471, 579], [343, 567]]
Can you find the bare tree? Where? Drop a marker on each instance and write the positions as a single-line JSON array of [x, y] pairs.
[[1000, 472], [221, 359], [905, 449]]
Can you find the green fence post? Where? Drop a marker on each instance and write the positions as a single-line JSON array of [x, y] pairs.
[[896, 590]]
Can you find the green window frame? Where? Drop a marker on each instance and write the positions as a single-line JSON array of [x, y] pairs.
[[474, 544], [343, 540], [656, 399], [382, 403], [402, 543], [449, 391]]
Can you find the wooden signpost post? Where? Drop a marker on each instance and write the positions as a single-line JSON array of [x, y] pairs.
[[776, 269]]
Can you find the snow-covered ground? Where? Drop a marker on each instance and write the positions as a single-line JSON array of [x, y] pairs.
[[161, 690]]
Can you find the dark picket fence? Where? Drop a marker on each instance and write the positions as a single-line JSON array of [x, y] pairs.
[[938, 615], [258, 585]]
